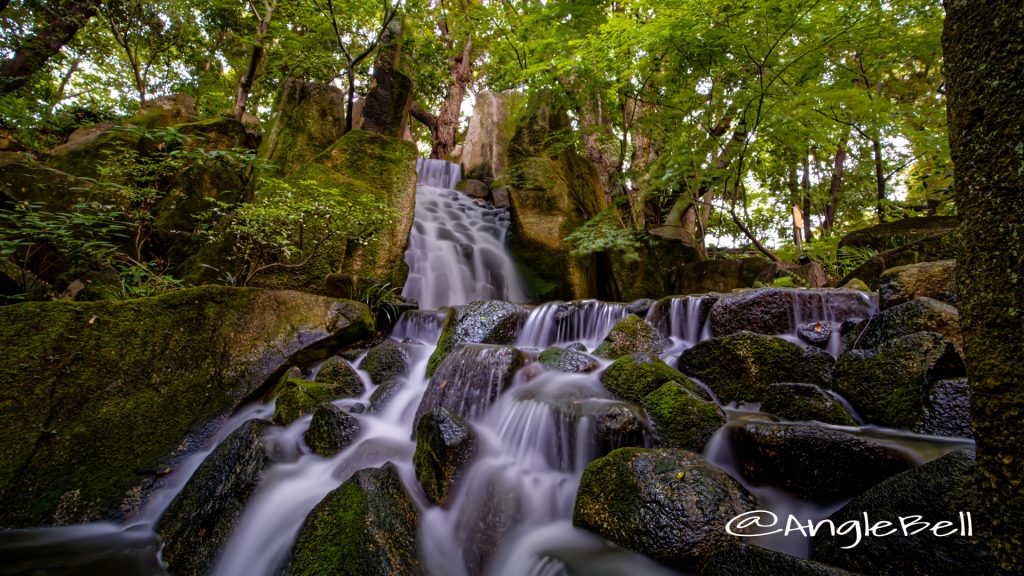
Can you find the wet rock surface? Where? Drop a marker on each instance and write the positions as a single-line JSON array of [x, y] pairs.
[[366, 526], [936, 280], [386, 360], [739, 367], [804, 402], [782, 310], [937, 491], [340, 377], [470, 379], [629, 336], [199, 520], [891, 384], [681, 419], [812, 462], [485, 322], [445, 445], [666, 503], [330, 430], [569, 361], [917, 315], [633, 377], [741, 559]]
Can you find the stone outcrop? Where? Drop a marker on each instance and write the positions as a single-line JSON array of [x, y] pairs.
[[307, 119]]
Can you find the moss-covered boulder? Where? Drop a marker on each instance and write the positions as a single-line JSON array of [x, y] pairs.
[[366, 526], [386, 360], [941, 490], [633, 377], [80, 380], [890, 385], [782, 310], [742, 559], [889, 235], [359, 164], [483, 322], [470, 379], [629, 336], [927, 279], [331, 430], [445, 445], [202, 516], [903, 242], [569, 361], [720, 275], [383, 394], [490, 132], [668, 504], [296, 398], [816, 463], [681, 419], [307, 118], [23, 179], [947, 410], [340, 377], [804, 402], [739, 367], [917, 315]]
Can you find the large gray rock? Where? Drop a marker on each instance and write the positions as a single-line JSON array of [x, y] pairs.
[[445, 446], [490, 132], [202, 516], [366, 526], [569, 361], [483, 322], [470, 379], [938, 491], [782, 310], [100, 372], [739, 367], [935, 280], [338, 375], [816, 463], [891, 385], [668, 504]]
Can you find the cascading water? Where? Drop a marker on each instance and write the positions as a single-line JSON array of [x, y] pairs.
[[457, 245], [510, 514]]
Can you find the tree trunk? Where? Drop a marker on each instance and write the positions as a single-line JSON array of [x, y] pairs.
[[805, 185], [645, 153], [245, 83], [876, 146], [31, 55], [795, 200], [598, 142], [984, 67], [834, 187], [446, 127]]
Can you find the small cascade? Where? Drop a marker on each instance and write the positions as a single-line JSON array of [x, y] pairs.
[[456, 248], [684, 319], [585, 321], [819, 314], [422, 325]]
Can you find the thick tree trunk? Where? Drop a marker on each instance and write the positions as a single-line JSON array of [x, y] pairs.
[[983, 46], [598, 142], [67, 17], [446, 127], [645, 153]]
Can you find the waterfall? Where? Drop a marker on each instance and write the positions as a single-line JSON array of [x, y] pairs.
[[456, 248]]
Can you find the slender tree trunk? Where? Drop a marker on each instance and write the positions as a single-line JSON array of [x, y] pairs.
[[350, 98], [446, 128], [794, 200], [598, 142], [805, 185], [32, 54], [247, 80], [984, 67], [64, 84], [835, 186], [876, 146]]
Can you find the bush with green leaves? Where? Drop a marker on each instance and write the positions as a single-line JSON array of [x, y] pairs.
[[290, 223], [604, 233]]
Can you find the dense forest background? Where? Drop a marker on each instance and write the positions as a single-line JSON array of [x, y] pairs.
[[708, 122]]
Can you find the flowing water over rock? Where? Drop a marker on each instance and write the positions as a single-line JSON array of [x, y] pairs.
[[457, 245], [509, 512]]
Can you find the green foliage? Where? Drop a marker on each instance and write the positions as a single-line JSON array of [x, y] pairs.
[[290, 223], [837, 262], [38, 241], [780, 282], [604, 233], [382, 298]]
